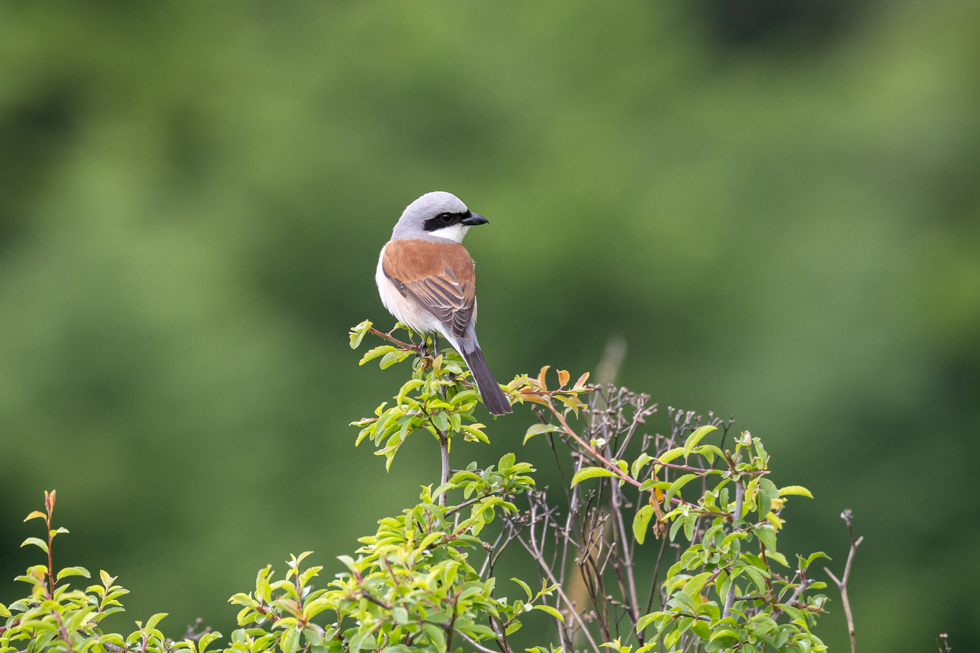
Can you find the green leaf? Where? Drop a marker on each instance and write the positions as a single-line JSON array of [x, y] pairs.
[[676, 526], [766, 535], [400, 614], [668, 456], [357, 333], [465, 395], [590, 472], [550, 610], [677, 485], [152, 622], [641, 521], [73, 571], [524, 586], [813, 556], [639, 463], [764, 503], [290, 641], [757, 577], [701, 629], [39, 543], [429, 539], [654, 484], [724, 632], [689, 523], [348, 562], [441, 421], [624, 468], [694, 438], [769, 488], [798, 490], [709, 451], [393, 357], [693, 587], [436, 635], [646, 620], [374, 353], [537, 429], [442, 489], [721, 585], [408, 387], [474, 434]]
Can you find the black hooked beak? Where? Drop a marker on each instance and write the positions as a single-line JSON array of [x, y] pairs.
[[474, 219]]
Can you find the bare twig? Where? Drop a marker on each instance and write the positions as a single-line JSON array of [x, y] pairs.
[[797, 593], [842, 583], [617, 500], [654, 584], [395, 341], [470, 502], [571, 607], [192, 630], [476, 644]]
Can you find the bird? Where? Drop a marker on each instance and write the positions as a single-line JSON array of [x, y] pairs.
[[427, 280]]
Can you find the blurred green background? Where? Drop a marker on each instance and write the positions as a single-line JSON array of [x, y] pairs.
[[775, 203]]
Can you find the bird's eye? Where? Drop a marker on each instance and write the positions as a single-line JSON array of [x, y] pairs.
[[446, 218]]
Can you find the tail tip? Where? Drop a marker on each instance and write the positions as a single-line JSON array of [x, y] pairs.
[[496, 401]]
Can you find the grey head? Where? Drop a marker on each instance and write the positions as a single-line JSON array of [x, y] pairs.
[[436, 215]]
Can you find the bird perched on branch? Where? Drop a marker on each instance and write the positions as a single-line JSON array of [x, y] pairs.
[[426, 280]]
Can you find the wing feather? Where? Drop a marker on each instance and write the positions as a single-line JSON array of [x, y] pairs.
[[439, 276]]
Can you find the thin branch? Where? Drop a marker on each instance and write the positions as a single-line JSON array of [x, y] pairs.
[[476, 644], [490, 548], [373, 599], [471, 501], [795, 597], [571, 608], [842, 583], [623, 476], [501, 640], [395, 341], [624, 540], [656, 573]]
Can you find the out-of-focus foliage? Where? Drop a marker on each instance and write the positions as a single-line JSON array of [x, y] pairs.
[[778, 209]]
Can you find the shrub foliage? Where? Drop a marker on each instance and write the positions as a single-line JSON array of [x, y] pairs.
[[657, 542]]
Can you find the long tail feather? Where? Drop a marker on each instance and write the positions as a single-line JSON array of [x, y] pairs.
[[493, 397]]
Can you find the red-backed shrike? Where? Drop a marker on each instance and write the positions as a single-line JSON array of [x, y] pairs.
[[426, 280]]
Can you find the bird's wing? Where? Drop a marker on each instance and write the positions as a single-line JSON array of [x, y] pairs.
[[439, 276]]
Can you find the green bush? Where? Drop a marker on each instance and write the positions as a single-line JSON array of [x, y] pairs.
[[425, 580]]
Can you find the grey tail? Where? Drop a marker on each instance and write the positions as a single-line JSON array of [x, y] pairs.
[[493, 397]]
